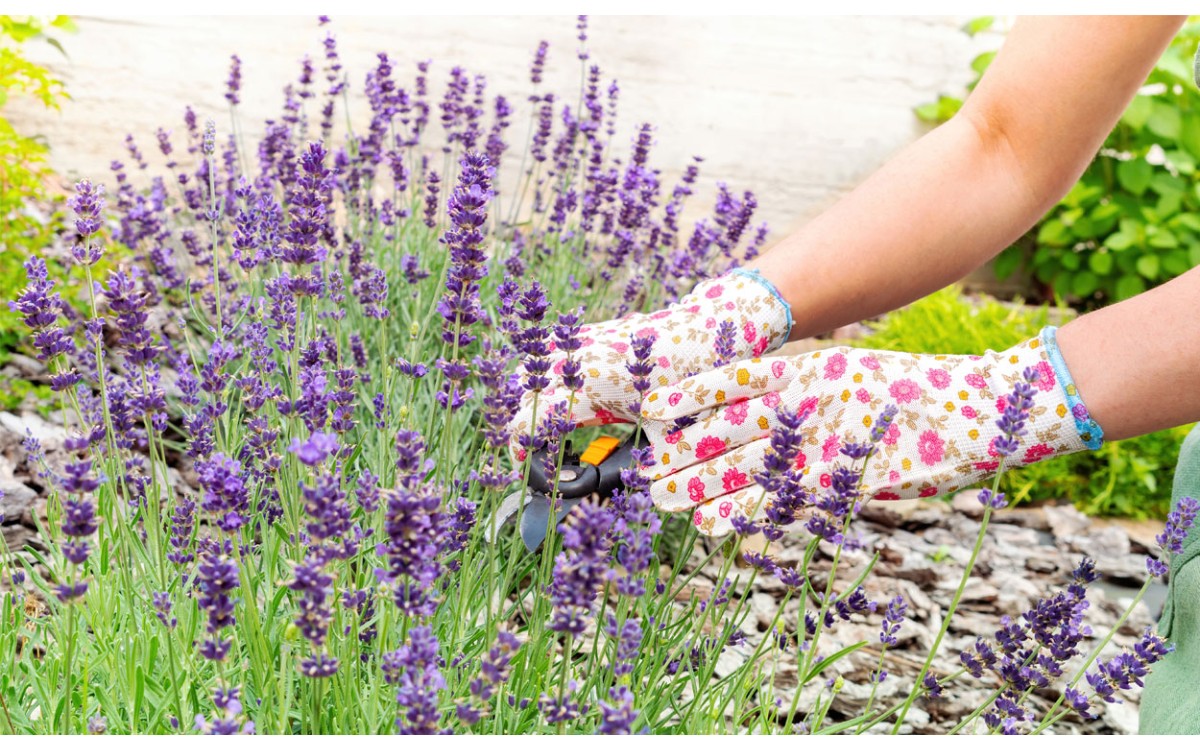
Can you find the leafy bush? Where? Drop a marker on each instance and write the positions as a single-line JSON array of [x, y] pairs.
[[23, 169], [1133, 219], [1130, 478]]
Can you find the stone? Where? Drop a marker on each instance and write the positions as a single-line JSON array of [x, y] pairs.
[[16, 500], [1065, 520], [51, 436]]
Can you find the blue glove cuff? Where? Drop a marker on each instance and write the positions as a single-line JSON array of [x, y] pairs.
[[1089, 431], [751, 273]]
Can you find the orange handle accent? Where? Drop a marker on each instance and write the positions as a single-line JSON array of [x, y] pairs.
[[599, 449]]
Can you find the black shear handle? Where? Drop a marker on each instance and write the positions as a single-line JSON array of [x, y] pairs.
[[579, 480]]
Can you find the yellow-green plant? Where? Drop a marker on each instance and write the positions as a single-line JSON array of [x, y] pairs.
[[24, 170]]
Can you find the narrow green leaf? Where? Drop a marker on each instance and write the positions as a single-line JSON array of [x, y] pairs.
[[820, 666], [979, 25]]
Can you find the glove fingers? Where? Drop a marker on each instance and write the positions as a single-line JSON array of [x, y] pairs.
[[715, 517], [711, 479], [738, 381], [718, 431]]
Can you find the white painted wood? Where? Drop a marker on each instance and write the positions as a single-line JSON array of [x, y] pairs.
[[796, 109]]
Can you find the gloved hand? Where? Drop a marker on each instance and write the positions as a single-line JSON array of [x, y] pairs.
[[945, 435], [749, 310]]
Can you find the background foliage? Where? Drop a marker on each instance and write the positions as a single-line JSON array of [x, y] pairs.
[[1132, 221]]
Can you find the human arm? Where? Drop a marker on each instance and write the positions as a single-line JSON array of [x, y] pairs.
[[961, 194]]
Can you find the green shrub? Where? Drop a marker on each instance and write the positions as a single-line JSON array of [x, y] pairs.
[[23, 168], [1127, 478], [1133, 219]]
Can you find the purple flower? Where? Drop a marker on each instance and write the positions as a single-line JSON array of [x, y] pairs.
[[419, 683], [893, 616], [628, 637], [415, 528], [216, 577], [314, 451], [533, 341], [619, 716], [226, 495], [1171, 540], [562, 709], [989, 499], [315, 588], [1016, 413], [309, 224], [329, 516], [234, 84], [97, 725], [88, 205], [539, 62], [725, 343], [581, 568], [467, 213], [229, 719], [494, 670], [162, 608], [640, 368], [1127, 669]]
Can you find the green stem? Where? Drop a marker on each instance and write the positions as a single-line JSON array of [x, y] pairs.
[[962, 585]]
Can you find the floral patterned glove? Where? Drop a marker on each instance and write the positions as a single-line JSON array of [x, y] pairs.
[[721, 320], [948, 430]]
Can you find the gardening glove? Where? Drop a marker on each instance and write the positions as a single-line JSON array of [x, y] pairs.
[[1171, 700], [944, 435], [721, 320]]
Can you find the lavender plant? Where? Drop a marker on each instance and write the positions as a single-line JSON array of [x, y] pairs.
[[289, 418]]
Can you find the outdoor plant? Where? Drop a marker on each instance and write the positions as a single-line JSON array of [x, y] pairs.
[[1133, 219], [23, 168], [288, 430]]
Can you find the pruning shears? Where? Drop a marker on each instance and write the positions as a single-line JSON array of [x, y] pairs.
[[594, 473]]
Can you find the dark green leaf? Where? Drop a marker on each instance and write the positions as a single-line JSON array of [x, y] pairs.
[[1084, 283], [1100, 263], [1070, 261], [1129, 286], [1175, 263], [1008, 261], [1134, 175]]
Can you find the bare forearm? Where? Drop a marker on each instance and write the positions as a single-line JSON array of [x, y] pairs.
[[1137, 363], [932, 214], [955, 198]]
